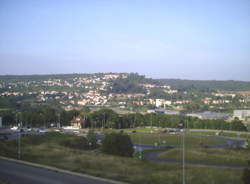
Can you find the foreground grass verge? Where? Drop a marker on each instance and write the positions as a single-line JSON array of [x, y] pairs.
[[48, 150], [214, 156], [3, 181]]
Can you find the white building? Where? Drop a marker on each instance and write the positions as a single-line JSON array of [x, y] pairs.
[[242, 114], [159, 102], [162, 102]]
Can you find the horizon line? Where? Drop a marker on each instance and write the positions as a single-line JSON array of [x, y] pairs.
[[92, 73]]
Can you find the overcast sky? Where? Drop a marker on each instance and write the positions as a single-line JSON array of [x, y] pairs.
[[188, 39]]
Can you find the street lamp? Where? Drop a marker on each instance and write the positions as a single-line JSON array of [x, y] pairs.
[[19, 138], [182, 126], [19, 142], [159, 134]]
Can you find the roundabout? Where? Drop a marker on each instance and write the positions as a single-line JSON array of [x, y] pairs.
[[214, 151]]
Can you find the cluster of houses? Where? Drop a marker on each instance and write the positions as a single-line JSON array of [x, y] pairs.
[[92, 90]]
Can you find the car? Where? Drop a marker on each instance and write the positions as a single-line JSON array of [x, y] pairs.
[[42, 131], [14, 128]]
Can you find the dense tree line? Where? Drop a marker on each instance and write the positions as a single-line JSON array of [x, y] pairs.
[[207, 85], [131, 84], [107, 118], [128, 85]]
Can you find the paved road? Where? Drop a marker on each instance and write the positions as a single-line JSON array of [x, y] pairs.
[[154, 155], [230, 143], [17, 173]]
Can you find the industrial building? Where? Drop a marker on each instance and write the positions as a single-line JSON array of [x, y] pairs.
[[242, 114]]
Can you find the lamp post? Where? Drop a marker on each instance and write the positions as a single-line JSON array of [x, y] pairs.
[[159, 133], [19, 143], [151, 131], [182, 126], [19, 140], [59, 120]]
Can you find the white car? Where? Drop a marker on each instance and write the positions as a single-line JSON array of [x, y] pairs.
[[41, 131], [14, 128]]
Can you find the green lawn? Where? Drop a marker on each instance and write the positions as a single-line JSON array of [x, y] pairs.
[[5, 109], [129, 130], [225, 134], [156, 130], [201, 133], [3, 181], [141, 129], [48, 150], [173, 139], [205, 155]]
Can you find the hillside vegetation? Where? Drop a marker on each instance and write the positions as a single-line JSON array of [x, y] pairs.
[[207, 85]]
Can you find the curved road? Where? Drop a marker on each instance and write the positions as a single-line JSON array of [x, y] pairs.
[[154, 155], [230, 143]]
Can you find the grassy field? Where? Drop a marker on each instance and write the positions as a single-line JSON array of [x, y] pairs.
[[216, 156], [173, 139], [129, 130], [48, 150], [3, 181], [156, 130], [5, 109], [225, 134]]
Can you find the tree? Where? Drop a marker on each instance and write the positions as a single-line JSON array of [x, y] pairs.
[[238, 126], [92, 139], [118, 144], [128, 85], [246, 175]]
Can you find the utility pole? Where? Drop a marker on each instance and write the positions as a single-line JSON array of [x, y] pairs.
[[19, 145], [19, 142], [159, 140], [182, 125], [59, 126], [151, 122], [183, 158], [16, 120]]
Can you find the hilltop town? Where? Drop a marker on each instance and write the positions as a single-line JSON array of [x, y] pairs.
[[124, 92]]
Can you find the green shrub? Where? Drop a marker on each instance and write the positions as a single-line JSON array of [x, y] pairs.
[[118, 144], [138, 155], [75, 142], [92, 139], [41, 138], [246, 174]]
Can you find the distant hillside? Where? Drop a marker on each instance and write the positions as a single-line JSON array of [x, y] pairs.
[[15, 78], [131, 83], [207, 85]]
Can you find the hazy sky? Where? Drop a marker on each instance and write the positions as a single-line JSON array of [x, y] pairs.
[[191, 39]]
